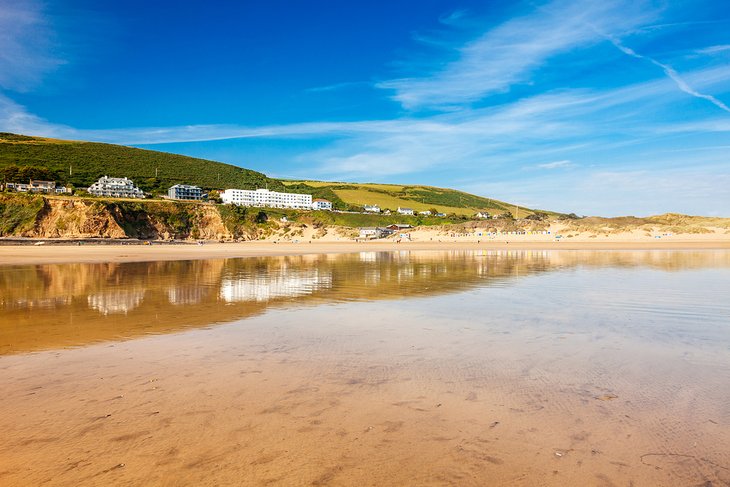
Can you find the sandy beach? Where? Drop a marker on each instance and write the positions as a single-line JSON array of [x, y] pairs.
[[121, 252]]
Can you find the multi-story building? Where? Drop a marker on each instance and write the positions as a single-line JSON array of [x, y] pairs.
[[185, 192], [266, 198], [115, 188], [321, 204]]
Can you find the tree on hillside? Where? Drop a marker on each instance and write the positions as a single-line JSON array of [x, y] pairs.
[[23, 174]]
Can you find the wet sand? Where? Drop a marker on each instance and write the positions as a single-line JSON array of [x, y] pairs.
[[527, 368], [54, 254], [271, 402]]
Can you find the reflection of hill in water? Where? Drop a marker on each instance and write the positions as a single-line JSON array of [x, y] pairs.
[[50, 306]]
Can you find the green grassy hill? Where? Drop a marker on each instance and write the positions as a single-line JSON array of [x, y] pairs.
[[28, 156], [81, 163], [419, 198]]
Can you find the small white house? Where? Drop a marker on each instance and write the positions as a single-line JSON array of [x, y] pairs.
[[371, 208], [425, 213], [321, 204], [405, 211], [482, 214]]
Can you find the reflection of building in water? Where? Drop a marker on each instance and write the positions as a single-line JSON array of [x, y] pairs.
[[186, 294], [368, 256], [372, 276], [116, 302], [406, 272], [23, 303], [282, 283]]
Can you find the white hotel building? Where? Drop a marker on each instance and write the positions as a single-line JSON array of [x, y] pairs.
[[264, 197], [115, 188]]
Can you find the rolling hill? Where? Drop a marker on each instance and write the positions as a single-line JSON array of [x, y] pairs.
[[417, 197], [81, 163]]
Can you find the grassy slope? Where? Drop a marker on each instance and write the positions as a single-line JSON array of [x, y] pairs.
[[417, 197], [90, 160], [18, 213]]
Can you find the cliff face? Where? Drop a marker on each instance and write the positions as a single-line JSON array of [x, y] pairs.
[[158, 220], [40, 217], [74, 219]]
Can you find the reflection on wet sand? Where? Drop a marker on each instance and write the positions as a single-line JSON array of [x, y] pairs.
[[51, 306], [510, 368]]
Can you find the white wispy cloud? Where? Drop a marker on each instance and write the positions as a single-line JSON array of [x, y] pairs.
[[555, 164], [543, 122], [671, 73], [25, 45], [714, 49], [507, 54], [453, 17], [337, 86], [620, 191], [706, 126], [16, 118]]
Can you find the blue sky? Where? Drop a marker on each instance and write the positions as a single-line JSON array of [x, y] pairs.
[[596, 107]]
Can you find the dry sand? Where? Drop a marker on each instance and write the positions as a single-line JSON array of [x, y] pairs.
[[52, 254], [303, 240]]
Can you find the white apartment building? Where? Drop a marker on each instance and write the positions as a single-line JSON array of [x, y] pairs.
[[115, 188], [266, 198]]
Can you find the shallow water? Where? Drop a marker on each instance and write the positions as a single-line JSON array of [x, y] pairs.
[[408, 368]]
